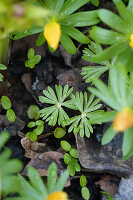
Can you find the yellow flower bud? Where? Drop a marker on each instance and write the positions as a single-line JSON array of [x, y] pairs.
[[52, 33], [123, 120], [131, 41], [58, 196]]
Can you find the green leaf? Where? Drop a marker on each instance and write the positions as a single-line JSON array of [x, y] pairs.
[[74, 153], [71, 170], [38, 130], [112, 20], [31, 53], [3, 138], [33, 137], [108, 135], [31, 124], [124, 13], [130, 153], [28, 134], [65, 145], [77, 167], [83, 181], [110, 52], [6, 103], [39, 122], [104, 36], [37, 59], [61, 181], [30, 31], [33, 112], [59, 132], [75, 34], [2, 67], [81, 19], [127, 141], [95, 2], [11, 115], [36, 181], [67, 43], [51, 179], [40, 40], [70, 7], [85, 193], [1, 77]]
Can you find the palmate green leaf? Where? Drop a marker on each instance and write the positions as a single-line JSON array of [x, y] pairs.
[[75, 34], [91, 73], [67, 43], [70, 7], [127, 144], [81, 123], [110, 52], [55, 113], [80, 19]]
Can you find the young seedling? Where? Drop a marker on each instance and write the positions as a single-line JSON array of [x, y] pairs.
[[88, 110], [32, 59], [55, 113], [70, 158], [6, 104]]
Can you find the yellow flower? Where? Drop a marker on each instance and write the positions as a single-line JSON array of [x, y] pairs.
[[131, 41], [123, 120], [58, 196], [52, 33]]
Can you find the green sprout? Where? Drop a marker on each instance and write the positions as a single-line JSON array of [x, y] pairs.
[[56, 112], [6, 104], [88, 110], [32, 59], [70, 158], [39, 127]]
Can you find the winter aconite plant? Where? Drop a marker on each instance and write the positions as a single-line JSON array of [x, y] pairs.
[[62, 24], [120, 37], [118, 95], [8, 168]]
